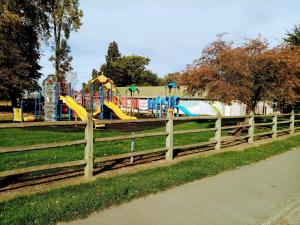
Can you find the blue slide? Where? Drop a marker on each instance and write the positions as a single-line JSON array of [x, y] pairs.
[[185, 110]]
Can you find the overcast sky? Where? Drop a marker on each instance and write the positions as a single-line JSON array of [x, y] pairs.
[[172, 33]]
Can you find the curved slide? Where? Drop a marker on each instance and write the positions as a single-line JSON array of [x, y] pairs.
[[185, 110], [72, 104], [82, 113], [118, 111]]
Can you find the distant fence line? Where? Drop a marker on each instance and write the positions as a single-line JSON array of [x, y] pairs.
[[89, 161]]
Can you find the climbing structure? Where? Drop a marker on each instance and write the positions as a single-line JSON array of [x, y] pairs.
[[130, 98], [107, 98]]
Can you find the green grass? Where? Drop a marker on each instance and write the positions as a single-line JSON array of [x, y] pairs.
[[79, 201], [28, 136]]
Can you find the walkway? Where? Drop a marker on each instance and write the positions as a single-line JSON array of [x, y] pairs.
[[264, 193]]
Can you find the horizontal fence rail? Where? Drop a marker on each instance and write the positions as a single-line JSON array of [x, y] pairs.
[[277, 124], [127, 137], [128, 155], [41, 146], [41, 168]]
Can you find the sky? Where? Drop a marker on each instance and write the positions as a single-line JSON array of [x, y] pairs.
[[172, 33]]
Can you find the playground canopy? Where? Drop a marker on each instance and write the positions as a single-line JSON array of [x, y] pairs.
[[108, 83], [132, 89]]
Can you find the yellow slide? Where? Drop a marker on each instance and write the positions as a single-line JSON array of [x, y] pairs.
[[97, 110], [118, 111], [72, 104]]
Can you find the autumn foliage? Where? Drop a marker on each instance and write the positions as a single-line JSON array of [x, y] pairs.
[[248, 73]]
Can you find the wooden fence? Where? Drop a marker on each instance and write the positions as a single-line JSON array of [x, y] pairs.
[[89, 161]]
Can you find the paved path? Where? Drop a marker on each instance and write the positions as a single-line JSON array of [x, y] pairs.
[[264, 193]]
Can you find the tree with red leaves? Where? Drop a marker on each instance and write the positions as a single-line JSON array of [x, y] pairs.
[[248, 73]]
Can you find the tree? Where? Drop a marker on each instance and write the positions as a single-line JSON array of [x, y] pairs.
[[65, 17], [293, 38], [149, 78], [127, 70], [287, 87], [113, 53], [112, 56], [22, 24], [248, 73], [176, 77]]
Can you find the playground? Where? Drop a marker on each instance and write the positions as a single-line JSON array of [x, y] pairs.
[[59, 102], [115, 130]]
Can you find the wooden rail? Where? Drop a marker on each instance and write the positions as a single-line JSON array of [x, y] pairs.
[[263, 124], [283, 122], [41, 168], [128, 155], [264, 116], [41, 146], [194, 131], [127, 137], [169, 134], [236, 126]]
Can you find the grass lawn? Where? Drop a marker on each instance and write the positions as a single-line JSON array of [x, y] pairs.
[[28, 136], [79, 201]]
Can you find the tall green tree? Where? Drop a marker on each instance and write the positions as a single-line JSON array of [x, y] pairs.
[[293, 37], [127, 70], [22, 24], [132, 70], [112, 56], [65, 17], [113, 53]]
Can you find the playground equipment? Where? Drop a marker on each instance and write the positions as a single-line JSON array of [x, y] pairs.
[[134, 104], [72, 104], [98, 101], [18, 113], [184, 110], [107, 88], [62, 110], [172, 86], [161, 104], [19, 117]]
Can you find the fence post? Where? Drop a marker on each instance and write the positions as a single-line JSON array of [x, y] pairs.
[[88, 153], [251, 128], [274, 127], [218, 133], [292, 124], [132, 146], [169, 139]]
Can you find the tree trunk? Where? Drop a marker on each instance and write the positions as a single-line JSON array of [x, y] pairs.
[[13, 98]]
